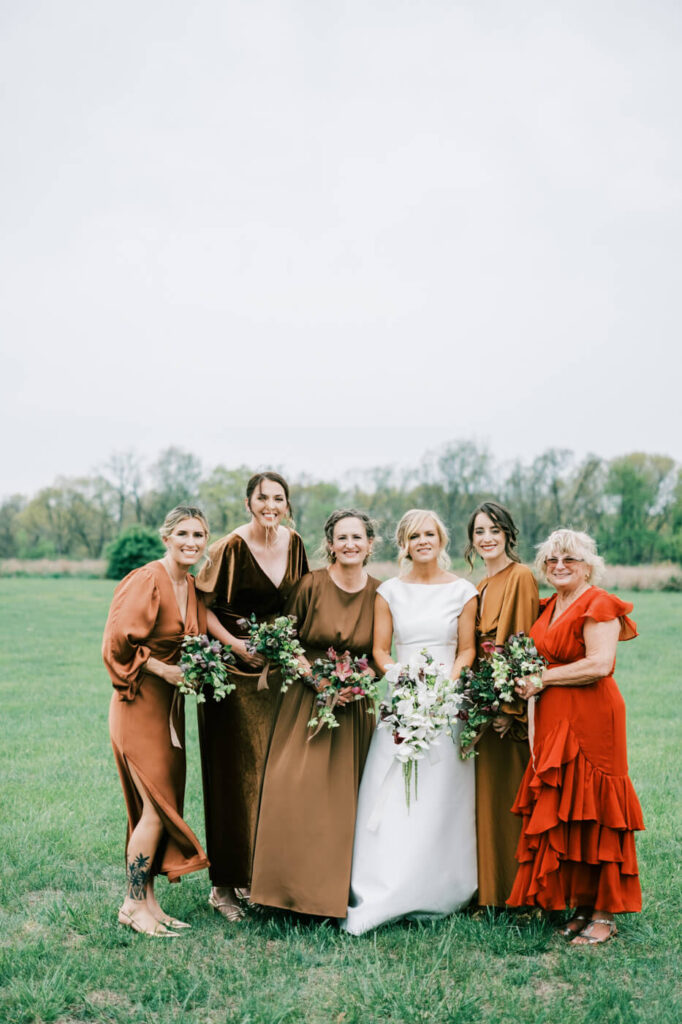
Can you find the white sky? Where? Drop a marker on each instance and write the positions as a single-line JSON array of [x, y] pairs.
[[329, 235]]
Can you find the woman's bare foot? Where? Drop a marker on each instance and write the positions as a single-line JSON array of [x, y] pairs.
[[159, 913], [136, 915], [576, 923], [223, 900]]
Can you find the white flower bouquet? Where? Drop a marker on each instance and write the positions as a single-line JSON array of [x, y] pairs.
[[420, 707]]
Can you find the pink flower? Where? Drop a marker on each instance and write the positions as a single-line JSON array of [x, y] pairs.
[[344, 670], [488, 646]]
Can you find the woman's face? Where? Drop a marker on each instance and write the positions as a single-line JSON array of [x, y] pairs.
[[268, 504], [187, 542], [489, 540], [350, 545], [565, 571], [423, 544]]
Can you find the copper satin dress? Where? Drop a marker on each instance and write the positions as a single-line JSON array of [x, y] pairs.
[[509, 604], [144, 621], [304, 842], [234, 733], [579, 807]]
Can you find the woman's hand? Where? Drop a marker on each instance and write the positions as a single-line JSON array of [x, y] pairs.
[[171, 674], [502, 724], [254, 659], [528, 686], [345, 695]]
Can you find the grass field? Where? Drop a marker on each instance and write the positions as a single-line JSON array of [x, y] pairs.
[[64, 958]]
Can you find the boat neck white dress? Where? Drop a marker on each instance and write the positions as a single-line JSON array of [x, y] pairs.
[[419, 863]]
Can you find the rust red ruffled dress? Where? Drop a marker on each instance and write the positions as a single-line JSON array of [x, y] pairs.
[[579, 807]]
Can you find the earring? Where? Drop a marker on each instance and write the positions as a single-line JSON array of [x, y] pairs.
[[332, 556]]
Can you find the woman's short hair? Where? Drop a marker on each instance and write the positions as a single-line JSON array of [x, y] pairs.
[[502, 518], [574, 543], [413, 520], [257, 479], [177, 514], [337, 516]]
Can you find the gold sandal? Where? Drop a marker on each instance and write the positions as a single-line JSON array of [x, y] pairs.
[[567, 932], [230, 911], [592, 940], [159, 931]]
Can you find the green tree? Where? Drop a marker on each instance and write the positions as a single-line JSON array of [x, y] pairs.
[[175, 476], [632, 530], [134, 547], [221, 498]]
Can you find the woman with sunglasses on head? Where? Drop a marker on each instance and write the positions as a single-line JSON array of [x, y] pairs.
[[508, 604], [252, 570], [579, 808], [153, 609], [306, 824]]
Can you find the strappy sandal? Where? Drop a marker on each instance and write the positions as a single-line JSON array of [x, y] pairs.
[[230, 911], [593, 940], [159, 931], [567, 932], [173, 922]]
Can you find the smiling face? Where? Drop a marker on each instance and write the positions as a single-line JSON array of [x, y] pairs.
[[187, 542], [489, 539], [268, 504], [350, 545], [565, 571], [423, 543]]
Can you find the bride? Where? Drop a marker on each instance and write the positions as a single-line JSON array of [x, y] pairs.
[[419, 863]]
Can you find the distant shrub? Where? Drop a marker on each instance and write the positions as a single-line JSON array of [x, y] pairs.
[[132, 548]]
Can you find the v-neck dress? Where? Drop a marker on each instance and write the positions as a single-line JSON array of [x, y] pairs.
[[234, 732], [304, 841], [144, 621], [509, 604], [579, 807]]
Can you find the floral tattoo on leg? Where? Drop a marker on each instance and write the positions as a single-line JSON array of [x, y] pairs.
[[138, 876]]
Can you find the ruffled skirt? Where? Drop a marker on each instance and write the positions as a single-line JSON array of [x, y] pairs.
[[577, 845]]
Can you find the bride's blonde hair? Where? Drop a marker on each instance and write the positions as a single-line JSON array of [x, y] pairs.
[[413, 520]]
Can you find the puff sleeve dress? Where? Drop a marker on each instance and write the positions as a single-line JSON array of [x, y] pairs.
[[144, 621], [578, 805]]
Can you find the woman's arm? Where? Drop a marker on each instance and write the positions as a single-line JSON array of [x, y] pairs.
[[466, 638], [171, 674], [383, 634], [238, 645], [601, 640]]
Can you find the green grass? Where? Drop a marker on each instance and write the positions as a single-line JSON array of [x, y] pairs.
[[63, 957]]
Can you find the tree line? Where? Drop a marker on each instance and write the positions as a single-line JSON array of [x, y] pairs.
[[632, 504]]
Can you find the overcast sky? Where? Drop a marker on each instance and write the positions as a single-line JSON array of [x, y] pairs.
[[323, 235]]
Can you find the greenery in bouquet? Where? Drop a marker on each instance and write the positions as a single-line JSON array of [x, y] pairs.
[[484, 692], [333, 674], [204, 662], [278, 643], [420, 707]]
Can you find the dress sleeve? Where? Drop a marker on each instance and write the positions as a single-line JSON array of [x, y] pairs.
[[520, 607], [216, 578], [132, 618], [604, 607]]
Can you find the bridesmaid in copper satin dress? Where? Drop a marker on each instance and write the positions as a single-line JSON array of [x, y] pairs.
[[579, 808], [253, 569], [153, 608], [508, 604], [304, 842]]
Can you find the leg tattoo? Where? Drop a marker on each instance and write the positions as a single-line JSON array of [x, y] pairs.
[[138, 876]]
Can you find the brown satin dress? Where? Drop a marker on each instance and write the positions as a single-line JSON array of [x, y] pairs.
[[306, 825], [509, 604], [234, 733], [144, 621]]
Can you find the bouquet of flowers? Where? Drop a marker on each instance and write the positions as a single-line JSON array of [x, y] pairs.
[[279, 645], [484, 692], [421, 705], [331, 675], [204, 663]]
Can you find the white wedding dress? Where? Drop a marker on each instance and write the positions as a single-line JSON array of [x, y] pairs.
[[419, 863]]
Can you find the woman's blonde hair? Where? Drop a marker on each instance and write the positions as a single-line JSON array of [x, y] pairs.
[[574, 543], [412, 521], [177, 514]]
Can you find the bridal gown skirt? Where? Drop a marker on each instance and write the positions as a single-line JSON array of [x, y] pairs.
[[416, 863]]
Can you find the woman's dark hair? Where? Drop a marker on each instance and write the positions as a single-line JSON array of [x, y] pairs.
[[347, 513], [258, 478], [502, 518]]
